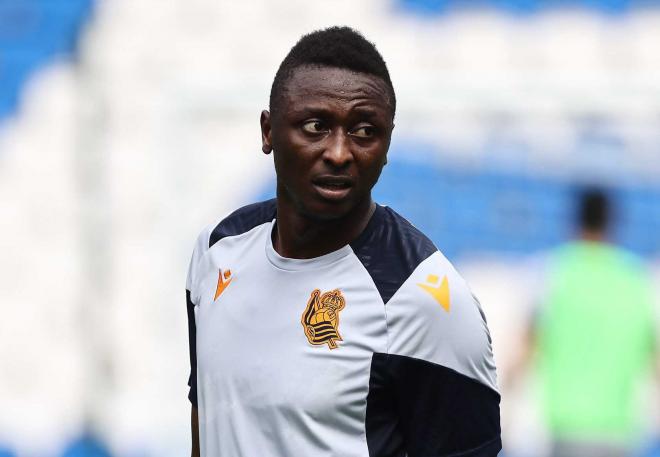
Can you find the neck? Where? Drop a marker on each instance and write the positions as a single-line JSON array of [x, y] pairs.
[[592, 235], [303, 237]]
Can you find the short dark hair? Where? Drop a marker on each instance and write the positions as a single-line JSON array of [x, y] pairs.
[[594, 210], [339, 47]]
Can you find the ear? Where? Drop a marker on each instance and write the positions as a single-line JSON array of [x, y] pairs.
[[266, 131]]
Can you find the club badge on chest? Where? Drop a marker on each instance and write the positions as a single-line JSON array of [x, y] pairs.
[[320, 319]]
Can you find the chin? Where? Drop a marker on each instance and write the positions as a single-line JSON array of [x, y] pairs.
[[327, 211]]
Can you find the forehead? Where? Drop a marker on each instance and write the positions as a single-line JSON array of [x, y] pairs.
[[308, 84]]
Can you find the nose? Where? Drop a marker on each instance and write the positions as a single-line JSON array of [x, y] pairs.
[[338, 152]]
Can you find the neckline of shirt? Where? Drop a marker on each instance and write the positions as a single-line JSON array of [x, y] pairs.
[[287, 263]]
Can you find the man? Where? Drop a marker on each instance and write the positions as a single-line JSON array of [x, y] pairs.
[[595, 338], [323, 324]]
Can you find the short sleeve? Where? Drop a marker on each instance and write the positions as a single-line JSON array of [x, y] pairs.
[[435, 388], [201, 246]]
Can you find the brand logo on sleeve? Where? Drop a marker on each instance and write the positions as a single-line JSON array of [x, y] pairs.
[[320, 320], [440, 292], [224, 278]]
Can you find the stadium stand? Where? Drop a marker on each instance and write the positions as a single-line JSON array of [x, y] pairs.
[[426, 7], [466, 211], [32, 32]]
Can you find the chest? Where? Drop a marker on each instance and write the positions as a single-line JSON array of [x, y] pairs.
[[273, 339]]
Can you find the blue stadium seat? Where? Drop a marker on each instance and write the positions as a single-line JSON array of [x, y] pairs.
[[436, 7], [31, 33], [468, 210], [87, 445]]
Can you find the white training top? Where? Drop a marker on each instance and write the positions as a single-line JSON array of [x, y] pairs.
[[376, 349]]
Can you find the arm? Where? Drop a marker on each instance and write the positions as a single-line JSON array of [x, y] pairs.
[[200, 248], [194, 426], [192, 381], [436, 385], [522, 361]]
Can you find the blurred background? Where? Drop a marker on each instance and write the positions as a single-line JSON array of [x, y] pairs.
[[128, 125]]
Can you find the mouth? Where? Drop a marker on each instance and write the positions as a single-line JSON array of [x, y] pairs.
[[332, 187]]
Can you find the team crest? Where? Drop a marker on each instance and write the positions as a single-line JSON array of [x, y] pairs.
[[320, 320]]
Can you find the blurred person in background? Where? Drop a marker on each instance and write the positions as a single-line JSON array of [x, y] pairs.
[[594, 337]]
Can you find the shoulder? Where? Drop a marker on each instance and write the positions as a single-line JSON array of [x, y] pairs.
[[391, 248], [613, 256], [628, 259], [435, 316], [432, 314], [242, 220]]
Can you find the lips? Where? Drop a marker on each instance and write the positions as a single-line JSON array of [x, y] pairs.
[[333, 187]]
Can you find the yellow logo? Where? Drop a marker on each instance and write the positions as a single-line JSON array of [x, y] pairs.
[[320, 320], [439, 293], [223, 281]]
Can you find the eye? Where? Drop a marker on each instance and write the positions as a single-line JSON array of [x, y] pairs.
[[364, 131], [314, 126]]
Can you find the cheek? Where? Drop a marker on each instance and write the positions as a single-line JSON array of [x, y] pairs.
[[293, 151], [292, 165], [371, 165], [290, 138]]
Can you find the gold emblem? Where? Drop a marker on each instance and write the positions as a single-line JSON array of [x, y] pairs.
[[440, 293], [320, 320]]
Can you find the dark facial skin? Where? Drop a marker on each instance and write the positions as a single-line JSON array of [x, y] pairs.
[[329, 134]]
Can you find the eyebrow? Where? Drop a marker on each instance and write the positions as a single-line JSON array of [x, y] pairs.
[[315, 109], [309, 109], [366, 111]]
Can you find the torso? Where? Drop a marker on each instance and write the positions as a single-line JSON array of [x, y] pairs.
[[285, 346], [256, 365]]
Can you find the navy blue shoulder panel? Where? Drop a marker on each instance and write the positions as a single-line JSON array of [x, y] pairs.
[[390, 248], [244, 219]]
